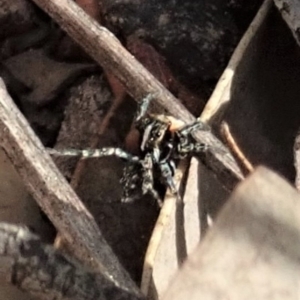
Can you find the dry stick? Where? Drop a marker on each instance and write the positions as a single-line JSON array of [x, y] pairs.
[[246, 165], [54, 194], [105, 48], [46, 274]]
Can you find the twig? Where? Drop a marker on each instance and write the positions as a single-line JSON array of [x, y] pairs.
[[44, 273], [104, 47], [236, 150], [53, 193]]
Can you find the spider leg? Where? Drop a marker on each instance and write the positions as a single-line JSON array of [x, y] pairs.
[[186, 145], [94, 153], [188, 129], [148, 180], [167, 172], [143, 107], [131, 182]]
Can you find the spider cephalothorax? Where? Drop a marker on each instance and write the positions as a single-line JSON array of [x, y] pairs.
[[164, 140]]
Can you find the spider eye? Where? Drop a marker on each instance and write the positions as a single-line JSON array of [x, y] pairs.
[[158, 134]]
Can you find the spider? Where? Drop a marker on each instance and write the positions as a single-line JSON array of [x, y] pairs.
[[163, 142]]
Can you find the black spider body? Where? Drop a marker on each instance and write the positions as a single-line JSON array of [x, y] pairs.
[[162, 144], [156, 157]]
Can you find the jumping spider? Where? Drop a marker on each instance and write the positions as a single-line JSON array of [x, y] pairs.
[[162, 144]]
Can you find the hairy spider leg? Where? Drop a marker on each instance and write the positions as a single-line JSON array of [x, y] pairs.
[[186, 146], [188, 129], [148, 180], [143, 107], [94, 153], [131, 182], [167, 170]]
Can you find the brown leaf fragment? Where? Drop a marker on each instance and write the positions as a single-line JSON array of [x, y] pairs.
[[252, 251]]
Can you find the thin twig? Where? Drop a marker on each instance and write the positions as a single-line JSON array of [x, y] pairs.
[[106, 49], [236, 150]]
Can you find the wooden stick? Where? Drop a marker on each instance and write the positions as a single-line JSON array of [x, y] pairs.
[[53, 193], [44, 273], [105, 48], [236, 150]]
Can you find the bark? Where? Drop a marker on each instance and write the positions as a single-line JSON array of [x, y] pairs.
[[44, 273]]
